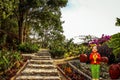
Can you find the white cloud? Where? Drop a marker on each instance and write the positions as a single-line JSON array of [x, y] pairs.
[[94, 17]]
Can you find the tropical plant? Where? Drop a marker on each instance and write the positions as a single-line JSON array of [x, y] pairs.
[[114, 43]]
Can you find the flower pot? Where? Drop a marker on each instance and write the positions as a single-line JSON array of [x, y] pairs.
[[114, 71], [104, 59], [119, 65], [83, 58]]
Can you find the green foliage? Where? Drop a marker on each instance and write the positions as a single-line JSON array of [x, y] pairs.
[[20, 17], [28, 47], [6, 8], [84, 49], [56, 3], [57, 49], [67, 49], [57, 52], [71, 48], [114, 43], [8, 58]]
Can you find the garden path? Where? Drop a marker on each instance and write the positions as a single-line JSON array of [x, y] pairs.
[[39, 67]]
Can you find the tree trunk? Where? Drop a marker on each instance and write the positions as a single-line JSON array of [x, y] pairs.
[[20, 32], [25, 34], [20, 22]]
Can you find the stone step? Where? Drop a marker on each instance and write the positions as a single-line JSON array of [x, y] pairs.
[[38, 77], [41, 65], [40, 73], [42, 54], [30, 70], [41, 61], [41, 58]]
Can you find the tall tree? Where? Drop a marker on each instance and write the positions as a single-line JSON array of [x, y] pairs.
[[46, 21], [24, 7], [33, 6], [117, 22], [41, 16]]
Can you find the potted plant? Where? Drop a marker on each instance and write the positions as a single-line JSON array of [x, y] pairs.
[[83, 58], [114, 71], [83, 55], [104, 59]]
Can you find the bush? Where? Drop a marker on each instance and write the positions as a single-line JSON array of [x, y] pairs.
[[57, 52], [104, 50], [28, 47]]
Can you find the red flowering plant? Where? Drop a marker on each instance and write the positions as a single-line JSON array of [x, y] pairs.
[[100, 41]]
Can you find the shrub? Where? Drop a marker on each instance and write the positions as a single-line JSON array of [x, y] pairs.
[[57, 52], [104, 50], [28, 47]]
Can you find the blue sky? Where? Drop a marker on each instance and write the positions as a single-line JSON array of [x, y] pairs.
[[90, 17]]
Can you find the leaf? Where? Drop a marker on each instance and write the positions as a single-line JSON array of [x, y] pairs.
[[6, 60], [116, 51]]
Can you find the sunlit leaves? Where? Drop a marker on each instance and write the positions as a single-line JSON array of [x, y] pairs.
[[56, 3], [7, 7], [115, 43]]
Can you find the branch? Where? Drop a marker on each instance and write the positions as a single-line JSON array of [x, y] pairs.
[[13, 35]]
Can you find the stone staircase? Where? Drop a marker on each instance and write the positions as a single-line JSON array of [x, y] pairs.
[[40, 67]]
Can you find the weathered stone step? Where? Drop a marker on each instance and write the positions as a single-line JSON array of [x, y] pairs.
[[41, 58], [38, 77], [40, 67], [41, 61], [30, 70], [42, 54], [40, 73]]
